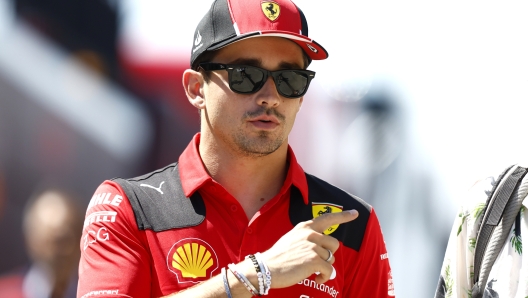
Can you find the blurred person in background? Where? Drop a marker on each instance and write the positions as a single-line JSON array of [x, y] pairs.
[[237, 198], [501, 271], [52, 228], [61, 127]]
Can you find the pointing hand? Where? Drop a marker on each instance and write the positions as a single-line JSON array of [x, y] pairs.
[[304, 250]]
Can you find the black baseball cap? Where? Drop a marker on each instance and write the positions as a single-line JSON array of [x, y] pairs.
[[229, 21]]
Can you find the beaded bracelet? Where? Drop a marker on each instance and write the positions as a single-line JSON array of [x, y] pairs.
[[226, 283], [267, 273], [260, 274], [242, 278]]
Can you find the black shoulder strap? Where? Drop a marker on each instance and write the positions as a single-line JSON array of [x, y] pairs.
[[498, 198], [159, 203]]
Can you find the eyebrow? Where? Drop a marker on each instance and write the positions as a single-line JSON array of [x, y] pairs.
[[258, 63], [247, 61]]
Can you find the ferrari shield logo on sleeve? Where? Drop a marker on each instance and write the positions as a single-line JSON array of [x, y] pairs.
[[319, 209], [270, 9]]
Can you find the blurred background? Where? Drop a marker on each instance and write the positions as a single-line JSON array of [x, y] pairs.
[[416, 101]]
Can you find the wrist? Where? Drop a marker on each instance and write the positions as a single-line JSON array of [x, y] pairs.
[[253, 273], [240, 270], [238, 289]]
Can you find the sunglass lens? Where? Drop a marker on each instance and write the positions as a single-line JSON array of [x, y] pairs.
[[246, 79], [291, 83]]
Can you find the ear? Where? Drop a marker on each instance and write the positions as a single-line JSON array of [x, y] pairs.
[[193, 83]]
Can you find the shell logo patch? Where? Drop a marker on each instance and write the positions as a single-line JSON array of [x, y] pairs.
[[319, 209], [270, 9], [192, 260]]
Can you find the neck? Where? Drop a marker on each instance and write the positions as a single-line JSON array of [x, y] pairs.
[[252, 180]]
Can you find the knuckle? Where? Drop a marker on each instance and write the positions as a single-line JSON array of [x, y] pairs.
[[303, 224], [312, 236], [333, 243], [303, 235]]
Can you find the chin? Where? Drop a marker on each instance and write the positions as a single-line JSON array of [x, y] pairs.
[[260, 146]]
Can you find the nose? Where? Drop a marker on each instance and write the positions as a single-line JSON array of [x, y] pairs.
[[268, 95]]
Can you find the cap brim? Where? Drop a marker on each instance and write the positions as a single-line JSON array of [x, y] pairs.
[[314, 50]]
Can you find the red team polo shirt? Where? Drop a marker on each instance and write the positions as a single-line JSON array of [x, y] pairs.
[[118, 259]]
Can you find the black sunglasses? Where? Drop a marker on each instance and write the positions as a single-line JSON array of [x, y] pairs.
[[246, 79]]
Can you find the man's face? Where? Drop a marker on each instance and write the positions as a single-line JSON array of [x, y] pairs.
[[252, 124], [53, 232]]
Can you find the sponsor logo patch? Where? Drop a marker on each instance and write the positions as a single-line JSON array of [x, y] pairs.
[[192, 260], [93, 237], [330, 290], [198, 39], [312, 48], [100, 292], [270, 9], [158, 189], [319, 209], [197, 44], [104, 199], [391, 285], [100, 216]]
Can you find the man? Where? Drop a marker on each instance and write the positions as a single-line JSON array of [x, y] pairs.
[[52, 225], [502, 271], [235, 216]]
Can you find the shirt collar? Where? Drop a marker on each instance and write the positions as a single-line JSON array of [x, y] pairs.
[[193, 173], [298, 175]]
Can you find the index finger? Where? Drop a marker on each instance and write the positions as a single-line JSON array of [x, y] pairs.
[[323, 222]]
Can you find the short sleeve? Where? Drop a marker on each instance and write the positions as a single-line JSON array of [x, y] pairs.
[[114, 259]]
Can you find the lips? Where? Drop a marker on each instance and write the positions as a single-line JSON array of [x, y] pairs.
[[265, 119], [265, 122]]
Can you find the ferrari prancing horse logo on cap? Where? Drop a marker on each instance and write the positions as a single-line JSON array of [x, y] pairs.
[[270, 9], [319, 209]]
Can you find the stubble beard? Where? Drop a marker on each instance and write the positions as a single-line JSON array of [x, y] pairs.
[[265, 143]]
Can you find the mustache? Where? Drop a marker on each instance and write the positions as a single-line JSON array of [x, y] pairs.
[[264, 111]]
